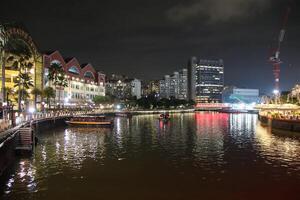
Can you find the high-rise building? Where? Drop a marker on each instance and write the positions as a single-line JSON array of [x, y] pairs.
[[124, 88], [164, 87], [183, 84], [174, 85], [205, 80], [150, 87], [136, 88]]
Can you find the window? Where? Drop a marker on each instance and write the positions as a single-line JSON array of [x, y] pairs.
[[88, 74], [74, 70], [56, 62]]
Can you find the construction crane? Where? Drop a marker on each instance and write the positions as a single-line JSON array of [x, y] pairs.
[[275, 53]]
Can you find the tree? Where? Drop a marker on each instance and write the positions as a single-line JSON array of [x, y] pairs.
[[13, 46], [48, 93], [25, 96], [36, 92], [57, 76], [9, 94], [101, 99], [61, 82], [23, 83]]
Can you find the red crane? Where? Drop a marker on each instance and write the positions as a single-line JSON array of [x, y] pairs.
[[274, 58]]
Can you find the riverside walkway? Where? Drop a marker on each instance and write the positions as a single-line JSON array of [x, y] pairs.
[[7, 131]]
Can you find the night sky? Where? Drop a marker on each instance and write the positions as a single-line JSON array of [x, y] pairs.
[[149, 38]]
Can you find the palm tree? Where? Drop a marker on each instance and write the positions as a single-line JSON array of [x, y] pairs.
[[9, 94], [62, 83], [57, 77], [14, 46], [48, 93], [24, 82], [36, 92], [25, 96], [20, 56]]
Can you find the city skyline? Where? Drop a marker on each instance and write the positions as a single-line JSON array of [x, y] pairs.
[[153, 38]]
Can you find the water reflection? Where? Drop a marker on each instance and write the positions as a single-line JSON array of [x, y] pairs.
[[284, 150], [198, 151]]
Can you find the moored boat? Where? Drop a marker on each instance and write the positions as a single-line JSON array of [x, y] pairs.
[[90, 121]]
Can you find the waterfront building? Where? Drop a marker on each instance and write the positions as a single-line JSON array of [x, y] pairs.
[[123, 88], [205, 80], [183, 84], [84, 82], [136, 88], [234, 95], [174, 85], [10, 65], [164, 87], [151, 87]]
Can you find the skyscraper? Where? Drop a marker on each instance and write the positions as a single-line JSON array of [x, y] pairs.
[[205, 80]]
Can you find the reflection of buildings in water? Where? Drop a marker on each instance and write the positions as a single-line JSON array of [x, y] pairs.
[[68, 149], [206, 121], [25, 177], [82, 143], [163, 127], [241, 123], [211, 127], [277, 148]]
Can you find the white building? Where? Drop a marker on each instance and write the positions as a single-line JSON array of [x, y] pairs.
[[84, 82], [136, 88]]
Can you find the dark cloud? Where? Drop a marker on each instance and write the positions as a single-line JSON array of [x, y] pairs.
[[218, 11]]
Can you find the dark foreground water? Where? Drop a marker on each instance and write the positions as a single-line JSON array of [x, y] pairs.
[[194, 156]]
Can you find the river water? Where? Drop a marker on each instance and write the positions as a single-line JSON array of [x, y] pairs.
[[194, 156]]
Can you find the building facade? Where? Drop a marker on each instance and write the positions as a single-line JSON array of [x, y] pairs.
[[11, 69], [205, 80], [124, 88], [136, 88], [151, 87], [234, 95], [174, 86], [84, 82]]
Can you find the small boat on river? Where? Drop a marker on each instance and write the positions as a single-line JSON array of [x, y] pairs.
[[90, 121], [165, 117]]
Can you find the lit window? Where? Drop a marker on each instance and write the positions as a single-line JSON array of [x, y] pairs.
[[74, 70], [88, 74]]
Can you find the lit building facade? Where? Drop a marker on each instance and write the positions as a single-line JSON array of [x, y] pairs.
[[123, 89], [183, 84], [164, 87], [205, 80], [10, 69], [136, 88], [152, 87], [174, 85], [234, 95], [84, 82]]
